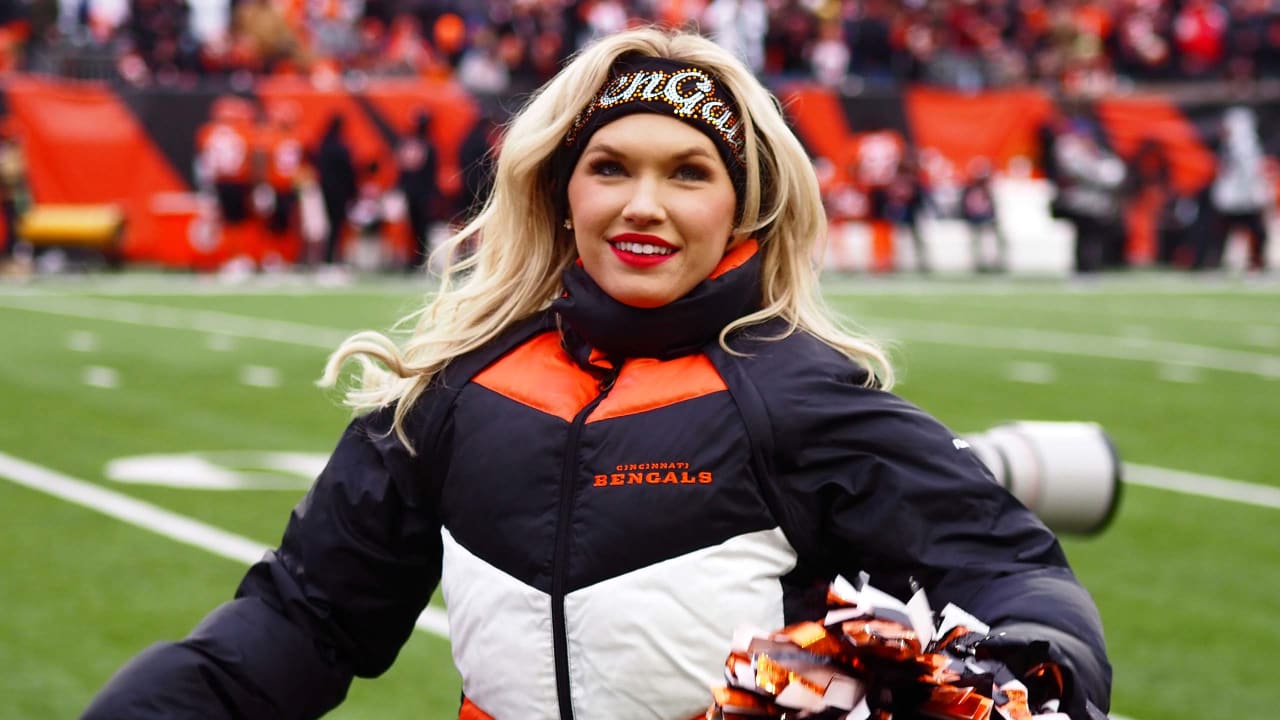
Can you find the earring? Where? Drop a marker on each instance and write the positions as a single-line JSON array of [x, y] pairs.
[[568, 224]]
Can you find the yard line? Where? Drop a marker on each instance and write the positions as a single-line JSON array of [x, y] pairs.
[[1060, 343], [206, 286], [1051, 286], [208, 321], [160, 521], [1203, 308], [299, 284], [1202, 485], [1086, 344]]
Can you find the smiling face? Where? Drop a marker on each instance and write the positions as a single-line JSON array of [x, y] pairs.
[[652, 206]]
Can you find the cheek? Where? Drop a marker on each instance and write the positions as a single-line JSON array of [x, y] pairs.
[[591, 206], [710, 218]]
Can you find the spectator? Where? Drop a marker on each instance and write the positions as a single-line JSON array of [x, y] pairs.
[[906, 198], [978, 210], [739, 26], [1200, 30], [225, 156], [14, 197], [481, 68], [1240, 190], [416, 177], [368, 217], [476, 158], [338, 185], [829, 55], [1090, 179], [283, 158]]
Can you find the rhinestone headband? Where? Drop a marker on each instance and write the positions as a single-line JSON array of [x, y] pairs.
[[686, 93]]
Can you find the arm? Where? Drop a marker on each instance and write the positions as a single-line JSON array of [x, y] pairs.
[[359, 560], [866, 481]]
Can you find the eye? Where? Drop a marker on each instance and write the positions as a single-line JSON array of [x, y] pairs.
[[607, 168], [692, 173]]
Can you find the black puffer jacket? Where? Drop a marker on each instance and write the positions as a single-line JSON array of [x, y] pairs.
[[606, 496]]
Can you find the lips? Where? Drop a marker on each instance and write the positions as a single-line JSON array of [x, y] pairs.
[[640, 250]]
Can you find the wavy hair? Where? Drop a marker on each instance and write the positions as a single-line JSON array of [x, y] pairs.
[[521, 250]]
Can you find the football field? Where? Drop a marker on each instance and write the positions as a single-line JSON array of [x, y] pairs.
[[157, 429]]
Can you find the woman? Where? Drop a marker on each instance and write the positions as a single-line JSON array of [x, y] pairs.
[[629, 429]]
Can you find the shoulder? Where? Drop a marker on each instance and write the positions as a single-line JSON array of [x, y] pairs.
[[429, 408], [814, 394], [772, 355]]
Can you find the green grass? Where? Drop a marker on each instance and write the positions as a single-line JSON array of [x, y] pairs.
[[1188, 586]]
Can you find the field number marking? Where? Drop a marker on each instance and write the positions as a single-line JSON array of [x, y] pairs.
[[180, 528]]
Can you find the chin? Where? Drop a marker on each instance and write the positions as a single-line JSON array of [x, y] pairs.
[[644, 301], [641, 297]]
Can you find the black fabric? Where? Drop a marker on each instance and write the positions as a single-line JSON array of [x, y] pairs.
[[862, 480], [518, 488], [230, 667], [679, 328]]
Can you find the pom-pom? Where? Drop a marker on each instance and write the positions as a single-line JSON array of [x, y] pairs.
[[874, 657]]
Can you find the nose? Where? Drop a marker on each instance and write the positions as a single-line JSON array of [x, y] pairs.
[[644, 207]]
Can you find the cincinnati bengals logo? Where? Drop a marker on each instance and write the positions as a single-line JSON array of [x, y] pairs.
[[655, 473]]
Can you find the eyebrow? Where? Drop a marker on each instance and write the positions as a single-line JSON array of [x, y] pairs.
[[689, 152]]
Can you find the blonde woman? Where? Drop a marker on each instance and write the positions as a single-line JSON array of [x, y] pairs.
[[624, 428]]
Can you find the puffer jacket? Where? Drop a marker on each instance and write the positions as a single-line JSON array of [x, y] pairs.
[[605, 496]]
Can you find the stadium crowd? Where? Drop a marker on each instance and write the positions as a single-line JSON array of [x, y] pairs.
[[508, 47], [512, 45]]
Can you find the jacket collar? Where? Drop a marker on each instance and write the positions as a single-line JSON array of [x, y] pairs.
[[596, 324]]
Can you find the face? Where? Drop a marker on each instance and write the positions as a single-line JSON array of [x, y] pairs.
[[652, 208]]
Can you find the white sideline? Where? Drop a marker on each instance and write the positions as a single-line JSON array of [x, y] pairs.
[[160, 521]]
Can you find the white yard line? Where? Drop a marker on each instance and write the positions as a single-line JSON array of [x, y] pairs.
[[1084, 344], [302, 284], [1203, 485], [1217, 309], [1045, 341], [205, 286], [206, 321], [160, 521]]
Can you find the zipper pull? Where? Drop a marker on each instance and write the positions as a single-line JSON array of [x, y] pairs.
[[606, 382]]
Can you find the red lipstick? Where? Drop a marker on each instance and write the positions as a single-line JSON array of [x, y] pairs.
[[655, 252]]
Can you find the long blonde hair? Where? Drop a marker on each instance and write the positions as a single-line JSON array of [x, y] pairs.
[[515, 271]]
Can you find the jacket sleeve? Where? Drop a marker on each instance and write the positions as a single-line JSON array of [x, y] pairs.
[[358, 562], [869, 482]]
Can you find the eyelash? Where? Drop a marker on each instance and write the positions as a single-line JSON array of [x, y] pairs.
[[610, 168], [606, 167]]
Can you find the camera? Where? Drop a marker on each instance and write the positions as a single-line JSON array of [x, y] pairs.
[[1067, 473]]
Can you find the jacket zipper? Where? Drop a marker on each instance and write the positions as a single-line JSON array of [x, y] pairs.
[[560, 561]]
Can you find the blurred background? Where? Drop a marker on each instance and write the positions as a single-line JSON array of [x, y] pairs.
[[1056, 210]]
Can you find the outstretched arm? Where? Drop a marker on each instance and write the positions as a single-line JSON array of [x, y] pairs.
[[865, 481], [359, 560]]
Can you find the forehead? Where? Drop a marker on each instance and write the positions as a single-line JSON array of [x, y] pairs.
[[652, 135]]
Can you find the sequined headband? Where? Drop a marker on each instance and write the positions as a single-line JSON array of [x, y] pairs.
[[665, 87]]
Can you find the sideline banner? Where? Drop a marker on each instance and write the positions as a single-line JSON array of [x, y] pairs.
[[90, 142]]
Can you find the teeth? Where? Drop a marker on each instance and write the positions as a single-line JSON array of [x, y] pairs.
[[636, 248]]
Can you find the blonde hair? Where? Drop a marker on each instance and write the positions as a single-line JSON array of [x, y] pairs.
[[515, 270]]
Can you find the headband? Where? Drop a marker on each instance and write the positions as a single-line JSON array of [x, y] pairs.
[[639, 83]]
